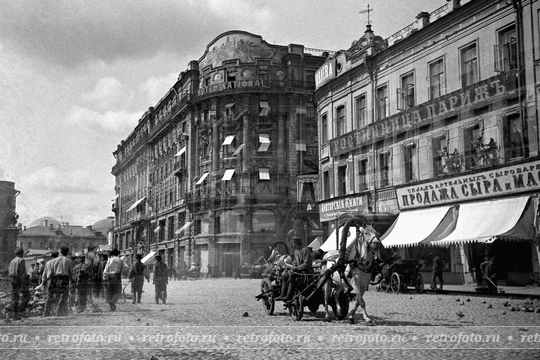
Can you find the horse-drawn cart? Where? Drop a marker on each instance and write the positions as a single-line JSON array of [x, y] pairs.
[[401, 275], [307, 292]]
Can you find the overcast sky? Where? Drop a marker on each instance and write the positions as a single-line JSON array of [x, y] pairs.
[[76, 76]]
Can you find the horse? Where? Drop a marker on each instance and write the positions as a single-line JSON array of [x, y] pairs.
[[361, 257]]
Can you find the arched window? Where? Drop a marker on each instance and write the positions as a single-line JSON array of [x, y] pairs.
[[229, 222], [263, 221]]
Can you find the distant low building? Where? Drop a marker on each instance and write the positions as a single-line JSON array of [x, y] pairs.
[[50, 234]]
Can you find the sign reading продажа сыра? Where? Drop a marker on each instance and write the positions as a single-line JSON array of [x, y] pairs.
[[502, 181]]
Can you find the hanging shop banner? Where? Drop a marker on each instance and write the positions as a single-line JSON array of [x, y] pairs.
[[503, 181]]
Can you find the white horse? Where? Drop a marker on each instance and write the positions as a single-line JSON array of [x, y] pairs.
[[362, 261]]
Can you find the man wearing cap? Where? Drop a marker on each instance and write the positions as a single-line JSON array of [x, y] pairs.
[[19, 284], [62, 273], [136, 275], [80, 282], [112, 275], [160, 280], [47, 280], [97, 275], [302, 264]]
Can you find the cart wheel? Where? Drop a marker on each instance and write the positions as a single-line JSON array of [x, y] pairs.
[[268, 301], [296, 308], [419, 286], [395, 282], [384, 285]]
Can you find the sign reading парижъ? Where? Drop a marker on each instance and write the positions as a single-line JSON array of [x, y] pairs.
[[503, 181]]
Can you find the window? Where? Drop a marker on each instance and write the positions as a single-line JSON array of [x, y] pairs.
[[263, 221], [469, 65], [340, 125], [360, 110], [384, 169], [410, 161], [229, 145], [514, 142], [470, 136], [264, 108], [506, 50], [382, 102], [405, 94], [310, 79], [263, 73], [264, 140], [264, 174], [362, 174], [171, 227], [436, 79], [231, 76], [342, 181], [438, 147], [326, 184], [229, 222], [229, 109], [324, 128], [197, 226]]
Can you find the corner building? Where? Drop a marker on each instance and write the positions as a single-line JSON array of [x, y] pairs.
[[209, 175], [438, 124]]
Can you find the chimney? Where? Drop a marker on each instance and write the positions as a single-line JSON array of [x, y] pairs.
[[424, 19], [455, 4]]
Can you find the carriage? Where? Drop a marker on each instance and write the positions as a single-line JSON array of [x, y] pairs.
[[307, 292], [400, 275]]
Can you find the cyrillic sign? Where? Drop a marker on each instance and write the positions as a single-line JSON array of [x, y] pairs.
[[331, 210], [325, 73]]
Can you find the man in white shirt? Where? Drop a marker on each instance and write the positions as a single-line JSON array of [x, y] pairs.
[[112, 276]]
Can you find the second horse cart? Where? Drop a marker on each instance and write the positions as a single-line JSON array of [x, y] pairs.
[[401, 275]]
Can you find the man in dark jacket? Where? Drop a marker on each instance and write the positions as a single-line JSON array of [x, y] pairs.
[[160, 280], [19, 284], [80, 281], [437, 273], [302, 264], [136, 275]]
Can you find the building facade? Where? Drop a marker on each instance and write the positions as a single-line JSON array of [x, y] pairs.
[[8, 222], [438, 123], [209, 175]]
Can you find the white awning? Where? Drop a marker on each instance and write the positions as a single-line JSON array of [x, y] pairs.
[[419, 226], [264, 139], [265, 108], [182, 150], [487, 221], [332, 244], [229, 105], [228, 140], [238, 149], [202, 178], [316, 244], [264, 174], [184, 227], [149, 258], [156, 230], [228, 174], [136, 203]]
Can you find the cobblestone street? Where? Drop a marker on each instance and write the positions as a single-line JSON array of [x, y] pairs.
[[221, 319]]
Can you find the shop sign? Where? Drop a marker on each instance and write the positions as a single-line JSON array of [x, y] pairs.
[[325, 73], [331, 210], [499, 182], [474, 95], [232, 85]]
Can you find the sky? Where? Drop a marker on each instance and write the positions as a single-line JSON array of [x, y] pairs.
[[77, 75]]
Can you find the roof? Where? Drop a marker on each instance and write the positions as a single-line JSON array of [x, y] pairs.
[[37, 252], [45, 221]]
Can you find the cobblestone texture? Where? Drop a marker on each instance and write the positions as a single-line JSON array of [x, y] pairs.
[[221, 319]]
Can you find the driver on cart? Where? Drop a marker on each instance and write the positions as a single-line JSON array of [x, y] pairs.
[[301, 265]]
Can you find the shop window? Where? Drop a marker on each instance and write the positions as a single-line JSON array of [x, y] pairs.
[[506, 50], [384, 169], [410, 162], [436, 79], [469, 65], [342, 181], [514, 142], [362, 174], [360, 111], [263, 221], [341, 125], [324, 128], [470, 136], [382, 102], [405, 94]]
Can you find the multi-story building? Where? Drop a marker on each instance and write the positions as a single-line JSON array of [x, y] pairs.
[[438, 123], [8, 222], [209, 175]]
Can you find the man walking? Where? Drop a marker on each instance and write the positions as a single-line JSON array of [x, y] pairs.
[[437, 273], [19, 284], [137, 273], [112, 275], [80, 282], [62, 273], [49, 284], [160, 280]]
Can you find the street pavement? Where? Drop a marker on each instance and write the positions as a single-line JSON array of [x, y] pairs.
[[221, 319]]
